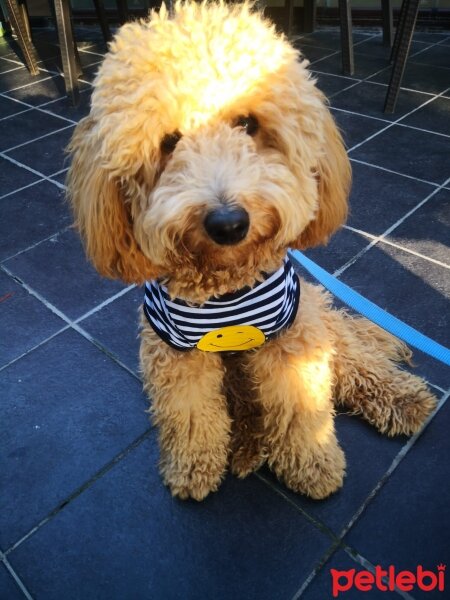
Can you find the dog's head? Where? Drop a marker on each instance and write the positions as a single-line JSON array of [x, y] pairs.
[[207, 152]]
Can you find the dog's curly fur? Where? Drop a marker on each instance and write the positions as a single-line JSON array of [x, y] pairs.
[[140, 209]]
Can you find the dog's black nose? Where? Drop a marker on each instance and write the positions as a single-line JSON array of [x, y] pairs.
[[227, 225]]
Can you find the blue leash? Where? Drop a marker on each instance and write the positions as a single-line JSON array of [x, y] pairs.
[[372, 311]]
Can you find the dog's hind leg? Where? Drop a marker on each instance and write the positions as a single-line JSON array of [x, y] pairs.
[[190, 410], [369, 381]]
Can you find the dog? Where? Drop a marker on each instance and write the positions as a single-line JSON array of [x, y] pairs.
[[207, 153]]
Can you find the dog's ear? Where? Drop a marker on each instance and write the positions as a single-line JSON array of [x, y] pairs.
[[101, 214], [333, 180]]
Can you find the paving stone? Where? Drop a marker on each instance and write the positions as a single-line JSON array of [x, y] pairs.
[[411, 288], [321, 587], [9, 590], [379, 199], [405, 525], [67, 410], [391, 150], [24, 321], [116, 327], [58, 270], [126, 537], [369, 455], [31, 215]]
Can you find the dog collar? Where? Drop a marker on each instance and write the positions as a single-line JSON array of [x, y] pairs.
[[230, 323]]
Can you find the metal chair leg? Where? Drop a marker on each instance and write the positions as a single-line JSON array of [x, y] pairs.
[[19, 25], [398, 32], [122, 8], [66, 42], [404, 43], [345, 15], [388, 22], [101, 16], [309, 15], [290, 16]]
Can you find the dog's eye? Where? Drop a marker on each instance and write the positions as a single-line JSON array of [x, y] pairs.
[[249, 124], [169, 142]]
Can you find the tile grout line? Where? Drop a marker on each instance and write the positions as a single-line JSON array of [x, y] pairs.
[[369, 566], [73, 324], [397, 121], [380, 168], [82, 488], [398, 246], [41, 137], [317, 523], [22, 188], [31, 170], [389, 230], [41, 343], [46, 239], [397, 460], [316, 570], [16, 578]]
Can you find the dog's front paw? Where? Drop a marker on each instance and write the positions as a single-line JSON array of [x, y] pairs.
[[317, 473], [195, 477]]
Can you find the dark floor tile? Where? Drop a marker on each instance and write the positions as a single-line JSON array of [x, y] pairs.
[[437, 56], [431, 37], [60, 177], [331, 84], [365, 65], [368, 455], [406, 524], [41, 91], [7, 65], [375, 47], [26, 126], [19, 80], [31, 215], [423, 78], [408, 151], [59, 271], [24, 321], [342, 246], [412, 289], [321, 587], [314, 53], [9, 107], [65, 108], [356, 128], [116, 327], [155, 546], [368, 99], [379, 199], [9, 590], [434, 116], [13, 177], [427, 230], [67, 410], [46, 155], [327, 38]]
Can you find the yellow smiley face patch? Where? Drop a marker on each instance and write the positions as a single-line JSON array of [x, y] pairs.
[[232, 338]]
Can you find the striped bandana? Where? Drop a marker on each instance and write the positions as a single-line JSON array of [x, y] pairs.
[[238, 321]]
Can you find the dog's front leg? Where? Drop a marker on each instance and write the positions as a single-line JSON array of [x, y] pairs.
[[295, 389], [190, 411]]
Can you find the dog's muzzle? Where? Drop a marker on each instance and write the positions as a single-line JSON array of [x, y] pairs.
[[226, 225]]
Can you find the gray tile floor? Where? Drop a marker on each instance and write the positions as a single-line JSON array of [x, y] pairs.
[[83, 513]]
